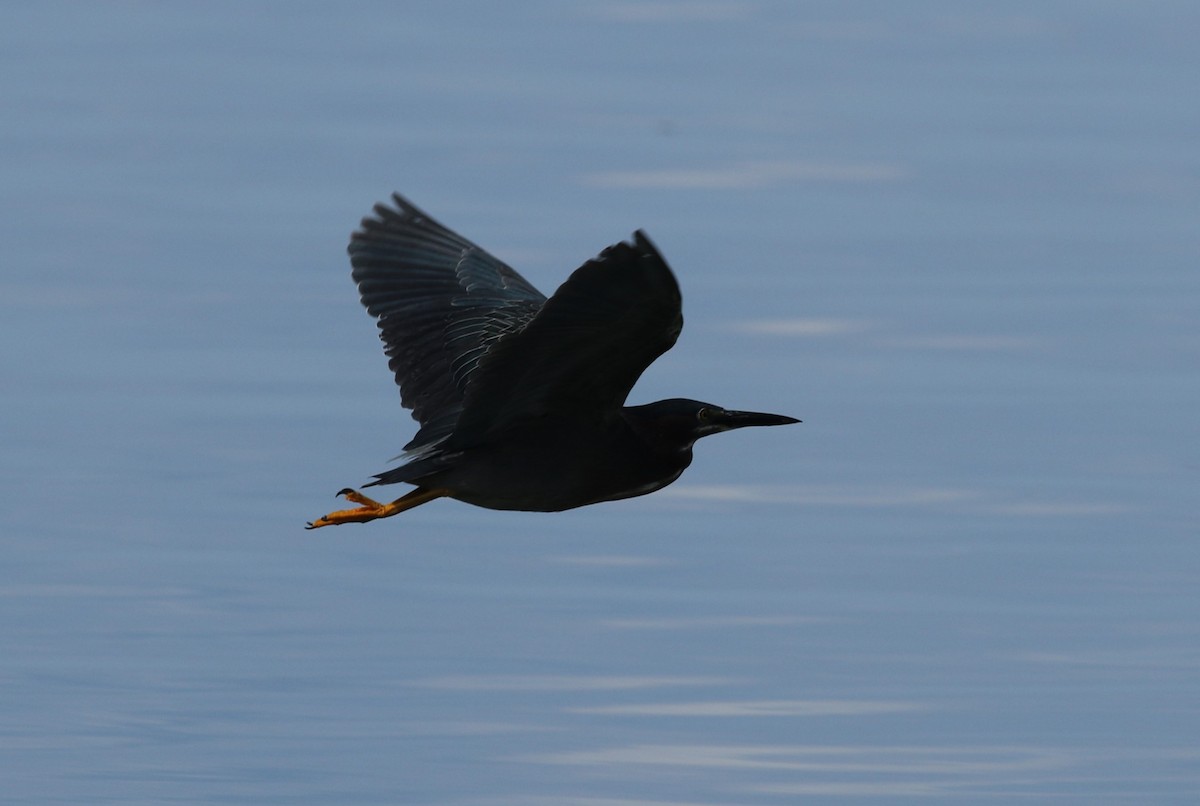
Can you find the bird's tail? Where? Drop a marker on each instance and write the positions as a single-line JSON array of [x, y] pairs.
[[414, 471]]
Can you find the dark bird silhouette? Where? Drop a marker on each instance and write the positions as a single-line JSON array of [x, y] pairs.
[[520, 398]]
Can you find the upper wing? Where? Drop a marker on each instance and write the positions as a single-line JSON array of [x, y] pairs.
[[440, 302], [586, 347]]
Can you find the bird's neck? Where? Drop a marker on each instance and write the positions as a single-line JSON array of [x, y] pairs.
[[665, 446]]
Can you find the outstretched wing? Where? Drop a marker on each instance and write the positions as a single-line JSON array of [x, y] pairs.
[[585, 348], [441, 302]]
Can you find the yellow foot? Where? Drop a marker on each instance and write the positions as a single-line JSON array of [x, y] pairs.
[[369, 509]]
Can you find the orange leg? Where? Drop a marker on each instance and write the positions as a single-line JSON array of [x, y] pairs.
[[371, 509]]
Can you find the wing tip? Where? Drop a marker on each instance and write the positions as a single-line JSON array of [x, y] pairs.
[[646, 247], [400, 214]]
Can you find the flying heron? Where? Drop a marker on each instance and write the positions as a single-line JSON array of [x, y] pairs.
[[520, 398]]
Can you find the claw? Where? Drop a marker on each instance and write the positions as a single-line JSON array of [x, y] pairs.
[[343, 491], [369, 509], [327, 520]]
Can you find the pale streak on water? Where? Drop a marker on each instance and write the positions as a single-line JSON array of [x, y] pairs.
[[959, 242]]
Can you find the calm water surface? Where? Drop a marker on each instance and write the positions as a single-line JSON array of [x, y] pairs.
[[960, 243]]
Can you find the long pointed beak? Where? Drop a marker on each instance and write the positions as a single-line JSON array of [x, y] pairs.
[[741, 419]]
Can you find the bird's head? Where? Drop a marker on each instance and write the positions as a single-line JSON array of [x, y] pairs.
[[679, 422]]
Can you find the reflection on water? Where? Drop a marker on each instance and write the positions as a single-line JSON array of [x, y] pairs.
[[879, 773], [546, 683], [958, 500], [957, 240], [748, 175], [706, 622], [753, 708]]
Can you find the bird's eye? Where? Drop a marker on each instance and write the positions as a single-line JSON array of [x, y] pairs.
[[704, 415]]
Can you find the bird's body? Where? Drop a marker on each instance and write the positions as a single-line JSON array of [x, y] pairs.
[[552, 464], [521, 398]]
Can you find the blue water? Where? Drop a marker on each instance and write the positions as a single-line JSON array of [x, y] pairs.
[[959, 242]]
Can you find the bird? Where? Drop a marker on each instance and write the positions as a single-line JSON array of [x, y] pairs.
[[520, 398]]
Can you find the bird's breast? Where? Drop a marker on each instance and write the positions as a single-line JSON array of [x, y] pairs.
[[549, 466]]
